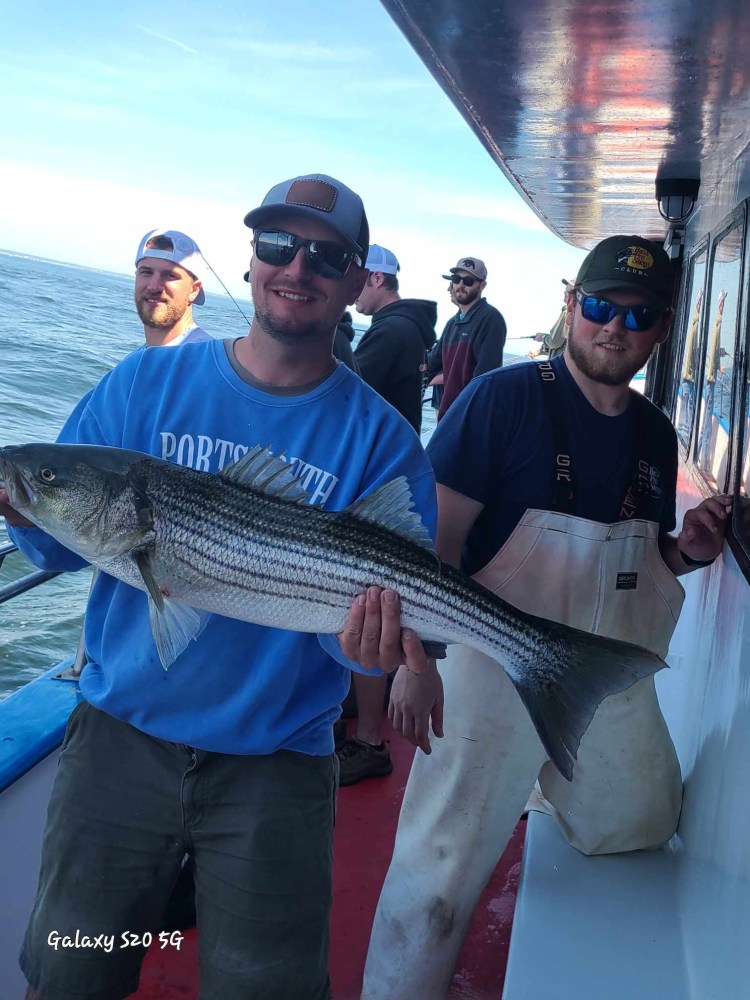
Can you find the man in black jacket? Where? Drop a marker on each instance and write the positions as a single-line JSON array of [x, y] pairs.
[[391, 355]]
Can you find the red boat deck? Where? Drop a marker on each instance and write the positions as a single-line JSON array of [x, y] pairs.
[[365, 827]]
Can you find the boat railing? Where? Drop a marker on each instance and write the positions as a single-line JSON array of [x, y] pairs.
[[24, 583], [28, 582]]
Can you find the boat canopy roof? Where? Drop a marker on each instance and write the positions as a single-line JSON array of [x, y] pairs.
[[584, 103]]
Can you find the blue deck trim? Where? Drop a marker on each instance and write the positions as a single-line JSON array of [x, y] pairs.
[[32, 722]]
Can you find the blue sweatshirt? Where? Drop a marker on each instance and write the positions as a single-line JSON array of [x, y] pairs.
[[239, 688]]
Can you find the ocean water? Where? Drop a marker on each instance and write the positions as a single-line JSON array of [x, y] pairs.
[[62, 327]]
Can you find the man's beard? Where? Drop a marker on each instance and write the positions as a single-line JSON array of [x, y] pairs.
[[163, 315], [599, 369], [468, 298], [291, 333]]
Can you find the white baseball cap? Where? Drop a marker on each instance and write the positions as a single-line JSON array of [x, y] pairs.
[[183, 251], [380, 259]]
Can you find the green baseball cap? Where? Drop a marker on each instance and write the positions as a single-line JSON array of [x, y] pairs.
[[631, 262]]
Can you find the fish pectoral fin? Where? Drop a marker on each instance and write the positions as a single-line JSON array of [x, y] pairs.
[[173, 625], [266, 472], [143, 562], [562, 700], [437, 649], [391, 506]]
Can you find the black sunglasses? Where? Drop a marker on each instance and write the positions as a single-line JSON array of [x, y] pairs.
[[329, 260], [456, 279], [602, 311]]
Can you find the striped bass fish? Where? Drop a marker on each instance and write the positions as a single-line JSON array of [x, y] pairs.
[[248, 545]]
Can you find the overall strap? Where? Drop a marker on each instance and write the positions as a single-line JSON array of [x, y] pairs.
[[563, 476], [639, 501]]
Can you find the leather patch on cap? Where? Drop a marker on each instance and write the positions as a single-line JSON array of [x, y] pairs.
[[313, 194]]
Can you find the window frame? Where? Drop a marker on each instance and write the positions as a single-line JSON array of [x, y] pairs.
[[737, 218], [681, 323], [739, 541]]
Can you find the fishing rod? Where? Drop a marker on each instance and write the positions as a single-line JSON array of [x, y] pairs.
[[218, 278]]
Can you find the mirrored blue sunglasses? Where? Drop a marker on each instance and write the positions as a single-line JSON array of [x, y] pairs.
[[602, 311]]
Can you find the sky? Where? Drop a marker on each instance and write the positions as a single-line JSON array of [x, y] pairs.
[[122, 118]]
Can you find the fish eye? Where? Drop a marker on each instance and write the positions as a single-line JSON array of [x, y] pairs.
[[47, 474]]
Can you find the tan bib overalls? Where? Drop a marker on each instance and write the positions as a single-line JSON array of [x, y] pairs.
[[463, 801]]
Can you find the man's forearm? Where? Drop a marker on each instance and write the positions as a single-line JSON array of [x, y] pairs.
[[44, 551]]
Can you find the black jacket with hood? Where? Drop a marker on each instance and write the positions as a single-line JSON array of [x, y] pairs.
[[392, 354], [342, 342]]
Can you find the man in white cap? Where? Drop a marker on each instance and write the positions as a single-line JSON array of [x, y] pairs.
[[473, 340], [169, 269], [391, 357]]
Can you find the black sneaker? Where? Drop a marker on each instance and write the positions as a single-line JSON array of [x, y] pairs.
[[358, 760]]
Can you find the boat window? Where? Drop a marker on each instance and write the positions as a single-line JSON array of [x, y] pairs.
[[688, 363], [712, 450]]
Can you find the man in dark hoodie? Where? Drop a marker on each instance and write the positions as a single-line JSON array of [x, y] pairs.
[[391, 358], [392, 354]]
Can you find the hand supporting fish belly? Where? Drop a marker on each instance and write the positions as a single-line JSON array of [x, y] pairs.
[[373, 636], [247, 544]]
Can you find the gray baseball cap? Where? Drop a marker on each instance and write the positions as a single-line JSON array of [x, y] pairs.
[[473, 265], [317, 196]]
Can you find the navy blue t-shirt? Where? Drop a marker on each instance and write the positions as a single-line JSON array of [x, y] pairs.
[[495, 445]]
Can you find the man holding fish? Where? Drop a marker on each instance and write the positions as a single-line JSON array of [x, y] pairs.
[[566, 504], [229, 755]]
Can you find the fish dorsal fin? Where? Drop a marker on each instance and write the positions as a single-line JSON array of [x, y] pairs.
[[392, 506], [266, 472]]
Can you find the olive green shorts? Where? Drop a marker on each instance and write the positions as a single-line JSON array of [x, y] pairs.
[[125, 809]]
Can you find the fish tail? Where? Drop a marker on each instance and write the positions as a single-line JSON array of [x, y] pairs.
[[562, 700]]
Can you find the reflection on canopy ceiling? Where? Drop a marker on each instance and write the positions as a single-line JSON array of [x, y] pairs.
[[583, 102]]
